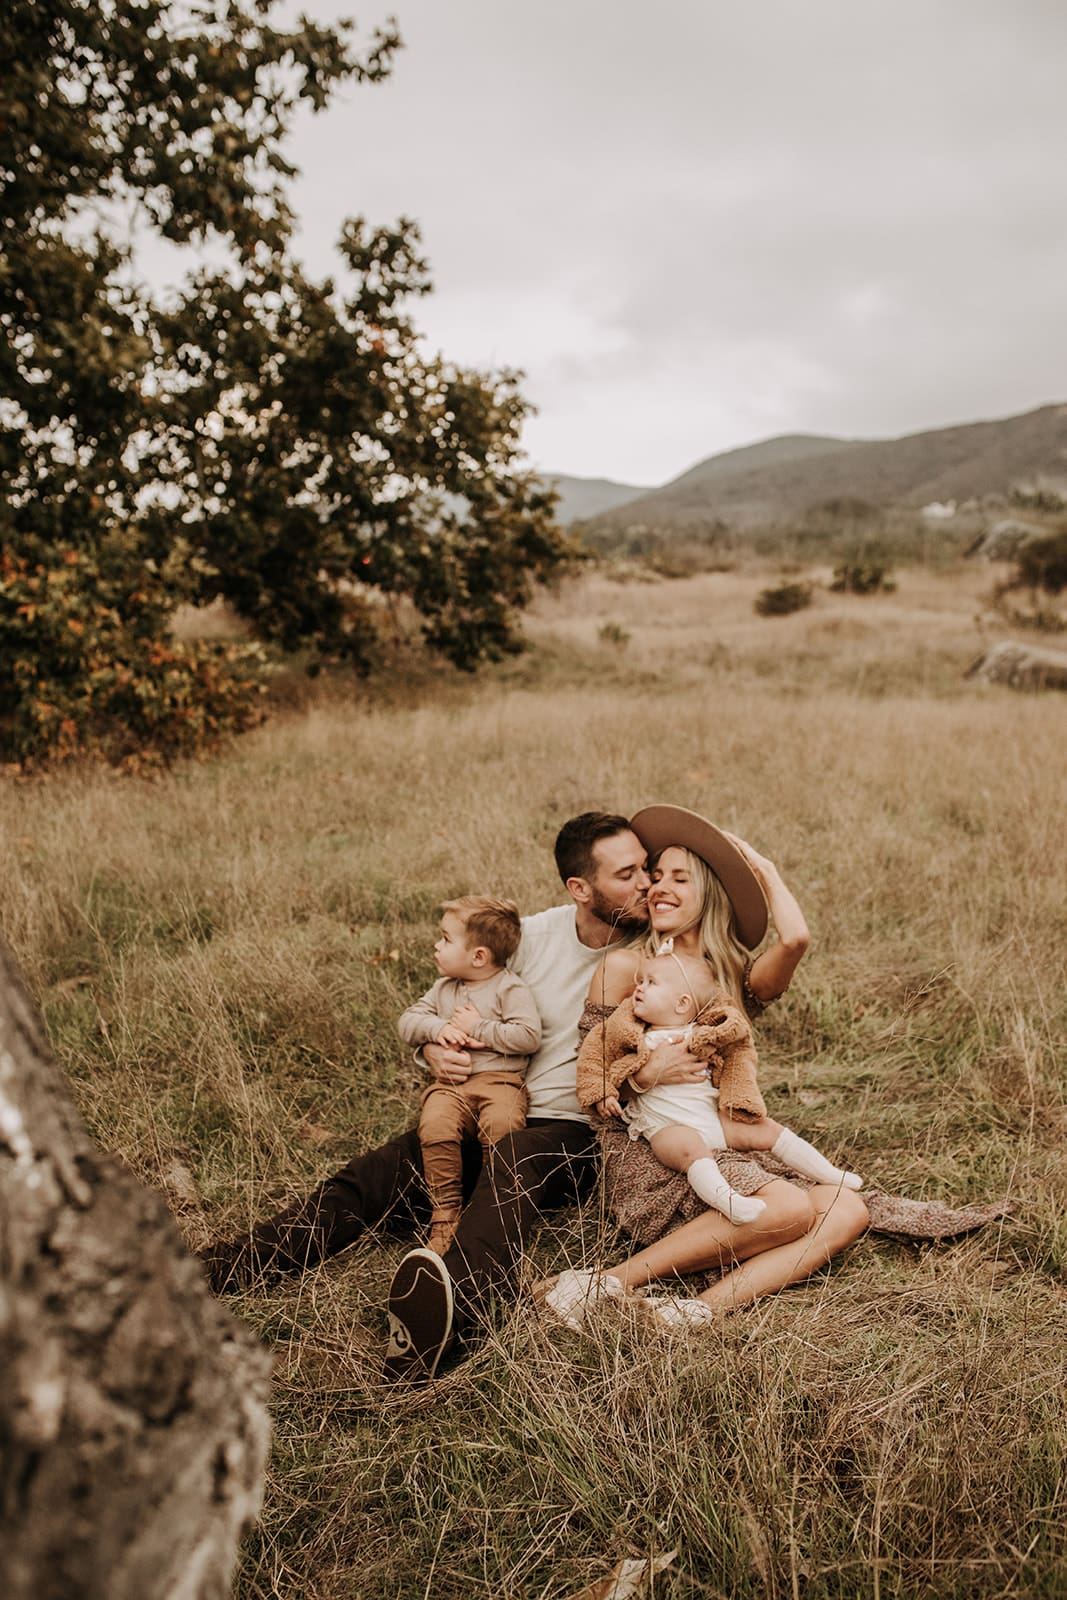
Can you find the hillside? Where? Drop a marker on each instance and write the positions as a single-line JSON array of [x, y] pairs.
[[580, 498], [779, 479]]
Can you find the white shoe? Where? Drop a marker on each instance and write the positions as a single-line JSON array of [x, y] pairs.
[[678, 1312], [574, 1292]]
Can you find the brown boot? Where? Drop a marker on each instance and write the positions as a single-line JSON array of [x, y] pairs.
[[443, 1225]]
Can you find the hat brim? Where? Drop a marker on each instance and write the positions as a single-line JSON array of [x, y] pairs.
[[657, 827]]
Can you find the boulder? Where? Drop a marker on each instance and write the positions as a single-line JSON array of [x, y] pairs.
[[1021, 666], [1004, 540]]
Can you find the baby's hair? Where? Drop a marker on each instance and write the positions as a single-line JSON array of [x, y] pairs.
[[489, 922], [699, 980]]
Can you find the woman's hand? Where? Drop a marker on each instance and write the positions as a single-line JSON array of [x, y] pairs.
[[762, 866], [669, 1063], [773, 969]]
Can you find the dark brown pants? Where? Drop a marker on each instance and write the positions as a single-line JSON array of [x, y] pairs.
[[547, 1164]]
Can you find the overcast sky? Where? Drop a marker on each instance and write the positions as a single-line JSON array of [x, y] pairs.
[[698, 223]]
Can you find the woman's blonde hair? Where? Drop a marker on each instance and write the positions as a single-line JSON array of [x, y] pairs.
[[720, 946]]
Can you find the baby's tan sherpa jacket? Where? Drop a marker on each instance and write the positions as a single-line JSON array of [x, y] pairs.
[[615, 1049]]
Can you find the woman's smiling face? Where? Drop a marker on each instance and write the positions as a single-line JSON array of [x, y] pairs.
[[674, 898]]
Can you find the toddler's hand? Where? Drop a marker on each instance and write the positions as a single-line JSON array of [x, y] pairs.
[[453, 1037], [466, 1016]]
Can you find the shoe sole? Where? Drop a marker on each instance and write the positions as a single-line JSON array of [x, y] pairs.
[[420, 1318]]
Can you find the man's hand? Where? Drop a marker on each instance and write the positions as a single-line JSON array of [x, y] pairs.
[[466, 1017], [609, 1107], [447, 1064], [669, 1063]]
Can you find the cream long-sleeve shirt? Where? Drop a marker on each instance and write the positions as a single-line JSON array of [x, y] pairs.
[[558, 967], [510, 1027]]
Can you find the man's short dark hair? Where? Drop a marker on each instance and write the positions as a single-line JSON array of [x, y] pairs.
[[576, 839]]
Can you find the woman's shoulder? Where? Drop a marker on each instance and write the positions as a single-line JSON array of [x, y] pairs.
[[614, 978]]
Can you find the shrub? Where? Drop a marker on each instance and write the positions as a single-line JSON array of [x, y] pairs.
[[93, 670], [863, 575], [613, 633], [1042, 563], [780, 601], [1041, 568]]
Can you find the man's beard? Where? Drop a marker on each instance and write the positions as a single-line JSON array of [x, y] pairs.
[[624, 919]]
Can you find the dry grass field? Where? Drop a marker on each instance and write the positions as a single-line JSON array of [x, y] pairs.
[[220, 956]]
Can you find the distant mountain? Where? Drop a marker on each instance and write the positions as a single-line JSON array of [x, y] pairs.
[[581, 498], [769, 483]]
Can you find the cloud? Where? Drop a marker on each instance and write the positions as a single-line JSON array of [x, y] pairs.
[[694, 225]]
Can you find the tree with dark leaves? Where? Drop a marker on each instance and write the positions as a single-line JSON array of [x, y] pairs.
[[282, 443]]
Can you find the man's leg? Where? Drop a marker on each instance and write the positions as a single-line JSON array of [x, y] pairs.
[[547, 1164], [432, 1300], [386, 1182]]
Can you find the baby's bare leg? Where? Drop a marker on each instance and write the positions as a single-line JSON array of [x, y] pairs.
[[683, 1150], [789, 1148]]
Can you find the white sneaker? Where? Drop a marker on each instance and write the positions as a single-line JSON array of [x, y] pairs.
[[676, 1311], [574, 1292]]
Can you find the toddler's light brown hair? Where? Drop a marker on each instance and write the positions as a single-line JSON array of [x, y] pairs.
[[490, 922]]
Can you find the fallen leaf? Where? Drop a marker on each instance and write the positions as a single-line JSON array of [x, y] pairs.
[[182, 1185], [67, 986], [313, 1132], [629, 1576]]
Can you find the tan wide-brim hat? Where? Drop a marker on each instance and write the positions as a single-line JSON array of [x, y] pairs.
[[660, 826]]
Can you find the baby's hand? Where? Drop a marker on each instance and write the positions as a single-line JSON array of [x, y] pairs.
[[609, 1106], [466, 1016]]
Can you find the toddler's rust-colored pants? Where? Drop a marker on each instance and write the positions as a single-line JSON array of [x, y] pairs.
[[489, 1105]]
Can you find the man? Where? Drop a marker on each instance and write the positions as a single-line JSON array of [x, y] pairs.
[[434, 1300]]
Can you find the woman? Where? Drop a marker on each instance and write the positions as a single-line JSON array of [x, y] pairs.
[[710, 894]]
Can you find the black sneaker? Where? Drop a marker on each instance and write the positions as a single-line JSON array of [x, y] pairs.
[[420, 1318]]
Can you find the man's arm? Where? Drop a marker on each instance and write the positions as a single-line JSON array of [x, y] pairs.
[[447, 1065]]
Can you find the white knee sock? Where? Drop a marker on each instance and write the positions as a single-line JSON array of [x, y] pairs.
[[803, 1157], [707, 1181]]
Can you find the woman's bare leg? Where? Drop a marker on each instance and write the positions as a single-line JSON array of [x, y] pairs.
[[840, 1218], [711, 1241]]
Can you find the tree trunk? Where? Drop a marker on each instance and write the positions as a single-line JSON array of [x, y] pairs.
[[1021, 666], [133, 1422]]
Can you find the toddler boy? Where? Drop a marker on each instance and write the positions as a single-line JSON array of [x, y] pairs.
[[475, 1005]]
